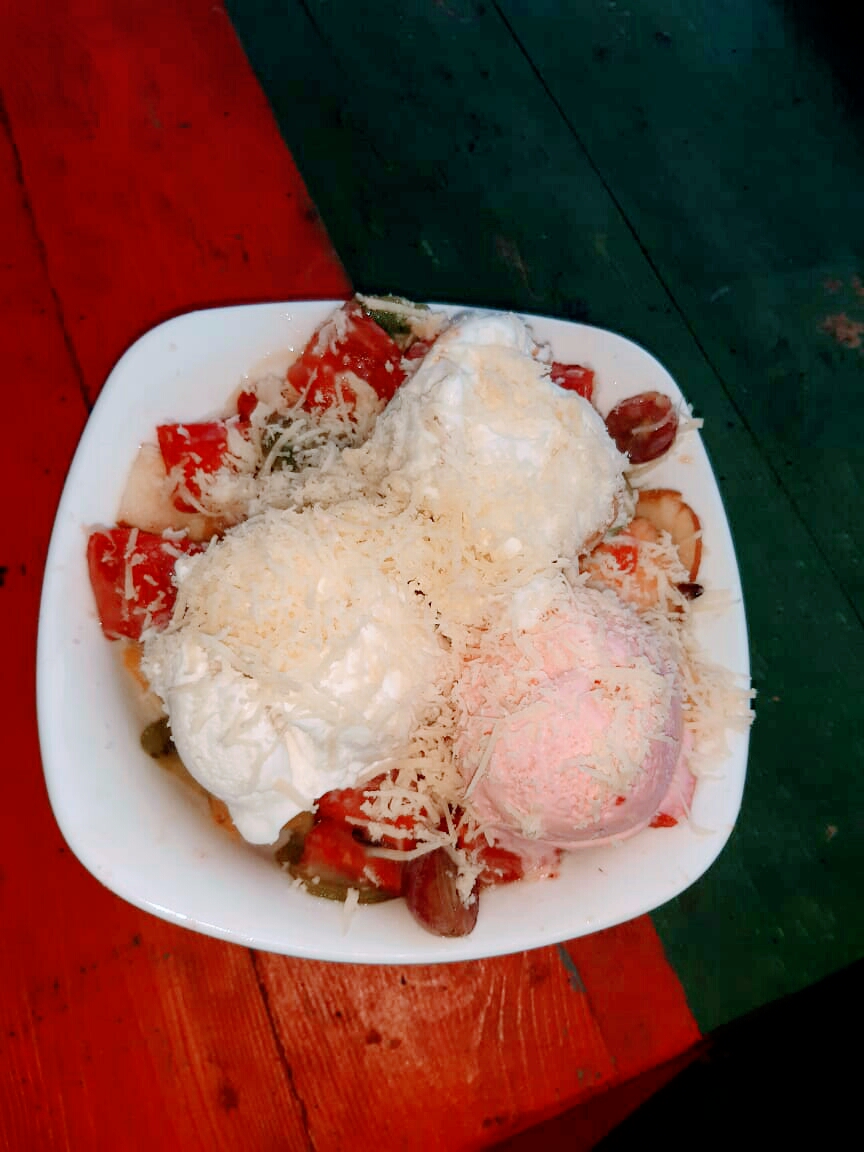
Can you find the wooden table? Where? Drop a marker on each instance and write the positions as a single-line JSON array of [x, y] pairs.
[[687, 176]]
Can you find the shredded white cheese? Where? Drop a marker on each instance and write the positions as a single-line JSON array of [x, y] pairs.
[[320, 642]]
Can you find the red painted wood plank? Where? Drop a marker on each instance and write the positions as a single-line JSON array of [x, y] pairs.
[[447, 1057], [635, 996], [581, 1128], [158, 177], [115, 1029]]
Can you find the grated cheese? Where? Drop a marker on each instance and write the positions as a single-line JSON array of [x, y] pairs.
[[715, 699], [425, 537]]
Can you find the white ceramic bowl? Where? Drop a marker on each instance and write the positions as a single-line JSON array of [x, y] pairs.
[[148, 838]]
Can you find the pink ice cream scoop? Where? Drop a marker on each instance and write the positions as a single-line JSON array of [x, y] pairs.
[[572, 729]]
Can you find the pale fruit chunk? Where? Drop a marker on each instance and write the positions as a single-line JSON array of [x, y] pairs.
[[147, 501], [665, 509]]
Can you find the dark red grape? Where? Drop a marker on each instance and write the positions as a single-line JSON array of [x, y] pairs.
[[429, 888], [643, 427]]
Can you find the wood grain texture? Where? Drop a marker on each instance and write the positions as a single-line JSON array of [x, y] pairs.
[[507, 1042], [465, 1053], [510, 154], [157, 175], [105, 1011]]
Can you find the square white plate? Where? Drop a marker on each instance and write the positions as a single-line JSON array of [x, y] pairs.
[[149, 839]]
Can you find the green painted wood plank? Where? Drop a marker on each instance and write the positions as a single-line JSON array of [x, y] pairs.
[[720, 130], [443, 169]]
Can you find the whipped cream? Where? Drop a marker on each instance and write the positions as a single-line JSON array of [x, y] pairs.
[[294, 666]]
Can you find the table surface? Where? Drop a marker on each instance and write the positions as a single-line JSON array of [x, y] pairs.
[[687, 174]]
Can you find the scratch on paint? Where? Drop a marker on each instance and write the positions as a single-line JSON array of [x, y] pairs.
[[522, 1032], [427, 248], [484, 1012], [847, 332], [508, 252], [571, 970], [501, 1012]]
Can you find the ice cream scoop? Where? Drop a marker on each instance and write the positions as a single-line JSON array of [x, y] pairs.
[[496, 454], [571, 730]]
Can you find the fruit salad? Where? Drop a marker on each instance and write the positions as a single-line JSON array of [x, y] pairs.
[[405, 616]]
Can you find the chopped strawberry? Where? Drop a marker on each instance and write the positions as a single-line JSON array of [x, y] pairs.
[[626, 556], [663, 820], [346, 806], [247, 402], [575, 378], [349, 343], [500, 866], [189, 449], [333, 860], [132, 576]]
